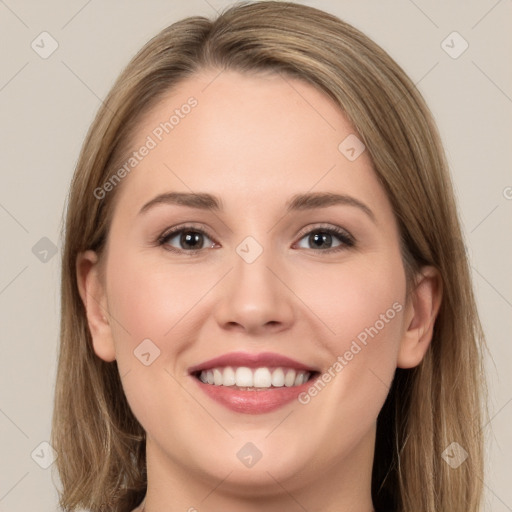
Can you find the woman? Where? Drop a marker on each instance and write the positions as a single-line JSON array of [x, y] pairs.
[[266, 301]]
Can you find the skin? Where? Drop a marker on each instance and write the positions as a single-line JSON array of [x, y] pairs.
[[254, 141]]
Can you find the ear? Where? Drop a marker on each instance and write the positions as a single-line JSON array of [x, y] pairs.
[[93, 294], [421, 312]]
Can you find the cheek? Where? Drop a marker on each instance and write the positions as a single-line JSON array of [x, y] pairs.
[[149, 299], [149, 302], [363, 303], [360, 300]]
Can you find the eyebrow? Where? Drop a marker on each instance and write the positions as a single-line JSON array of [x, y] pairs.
[[307, 201]]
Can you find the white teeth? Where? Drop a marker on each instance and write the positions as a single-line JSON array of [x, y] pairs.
[[289, 380], [244, 377], [262, 378], [278, 378], [299, 379], [217, 377], [228, 376]]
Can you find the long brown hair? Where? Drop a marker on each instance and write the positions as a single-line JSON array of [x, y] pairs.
[[99, 442]]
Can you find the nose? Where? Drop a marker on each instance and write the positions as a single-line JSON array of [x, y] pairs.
[[255, 298]]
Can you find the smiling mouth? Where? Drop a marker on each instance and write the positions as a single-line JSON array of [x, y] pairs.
[[244, 378]]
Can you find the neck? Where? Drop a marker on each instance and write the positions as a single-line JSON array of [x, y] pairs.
[[143, 509]]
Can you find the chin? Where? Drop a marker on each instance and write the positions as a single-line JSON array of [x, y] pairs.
[[253, 465]]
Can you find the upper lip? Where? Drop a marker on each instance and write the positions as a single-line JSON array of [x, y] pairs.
[[263, 359]]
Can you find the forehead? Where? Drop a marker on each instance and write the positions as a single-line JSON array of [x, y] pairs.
[[246, 136]]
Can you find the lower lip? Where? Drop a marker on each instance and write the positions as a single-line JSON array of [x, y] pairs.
[[253, 402]]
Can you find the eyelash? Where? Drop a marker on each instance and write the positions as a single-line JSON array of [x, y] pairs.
[[346, 239]]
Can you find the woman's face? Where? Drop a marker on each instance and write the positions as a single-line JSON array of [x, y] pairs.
[[287, 261]]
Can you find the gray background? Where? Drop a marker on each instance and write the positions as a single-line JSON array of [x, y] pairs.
[[47, 104]]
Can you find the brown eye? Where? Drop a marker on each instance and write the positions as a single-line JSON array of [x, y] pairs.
[[185, 239], [327, 239]]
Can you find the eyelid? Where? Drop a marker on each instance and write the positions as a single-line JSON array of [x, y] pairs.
[[338, 230], [182, 227]]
